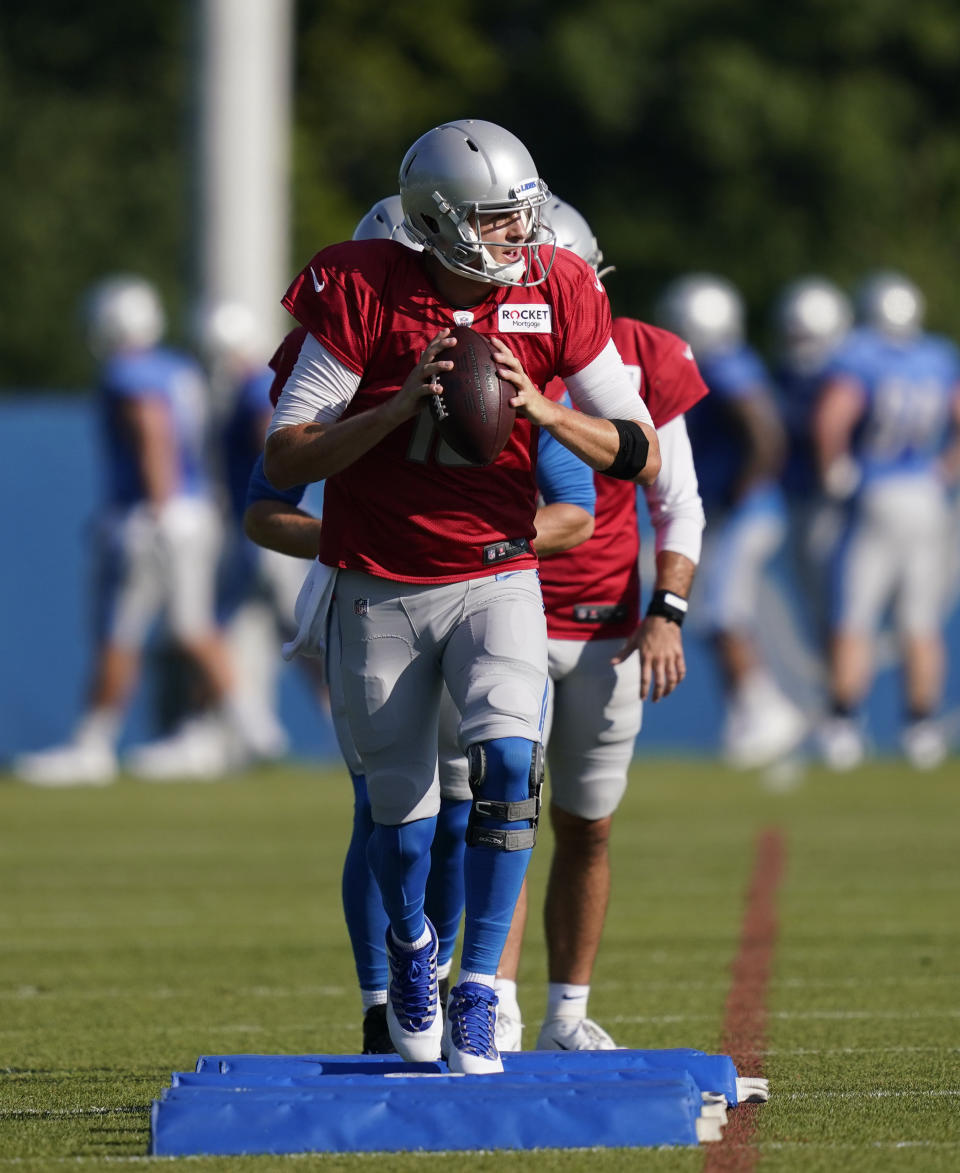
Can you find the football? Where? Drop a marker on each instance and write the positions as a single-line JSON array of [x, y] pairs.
[[473, 415]]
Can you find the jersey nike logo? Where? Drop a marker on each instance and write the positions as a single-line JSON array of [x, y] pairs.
[[687, 352], [317, 285]]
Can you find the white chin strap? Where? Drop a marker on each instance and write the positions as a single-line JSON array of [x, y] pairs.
[[512, 272]]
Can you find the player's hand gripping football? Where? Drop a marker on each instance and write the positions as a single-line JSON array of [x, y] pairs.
[[660, 646], [422, 380], [528, 400]]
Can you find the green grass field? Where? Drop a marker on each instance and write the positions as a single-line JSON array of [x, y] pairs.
[[144, 925]]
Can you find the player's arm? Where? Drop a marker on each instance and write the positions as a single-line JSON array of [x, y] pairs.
[[272, 518], [612, 432], [676, 512], [950, 461], [836, 414], [764, 439], [308, 441], [565, 519], [147, 423]]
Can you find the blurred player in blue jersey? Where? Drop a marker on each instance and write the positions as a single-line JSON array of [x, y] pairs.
[[811, 318], [256, 588], [739, 447], [160, 534], [887, 436]]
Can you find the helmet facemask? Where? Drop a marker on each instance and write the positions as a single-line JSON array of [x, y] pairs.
[[455, 236]]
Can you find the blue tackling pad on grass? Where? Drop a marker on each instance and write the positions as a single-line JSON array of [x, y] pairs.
[[246, 1104]]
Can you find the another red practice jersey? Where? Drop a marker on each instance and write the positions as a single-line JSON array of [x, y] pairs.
[[284, 360], [410, 509], [593, 590]]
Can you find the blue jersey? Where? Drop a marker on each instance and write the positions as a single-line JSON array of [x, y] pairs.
[[177, 381], [798, 397], [561, 477], [716, 440], [242, 436], [908, 388]]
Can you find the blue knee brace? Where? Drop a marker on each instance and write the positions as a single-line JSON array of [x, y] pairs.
[[506, 776]]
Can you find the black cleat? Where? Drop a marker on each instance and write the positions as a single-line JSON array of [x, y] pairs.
[[376, 1036]]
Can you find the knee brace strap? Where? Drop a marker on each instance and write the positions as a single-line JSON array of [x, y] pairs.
[[527, 809]]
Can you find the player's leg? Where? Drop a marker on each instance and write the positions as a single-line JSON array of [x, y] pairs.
[[761, 723], [862, 578], [363, 911], [495, 667], [391, 691], [444, 897], [127, 592], [597, 715], [918, 615]]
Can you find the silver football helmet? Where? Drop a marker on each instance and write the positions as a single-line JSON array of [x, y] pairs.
[[572, 230], [228, 332], [123, 312], [810, 318], [890, 303], [460, 171], [384, 221], [705, 310]]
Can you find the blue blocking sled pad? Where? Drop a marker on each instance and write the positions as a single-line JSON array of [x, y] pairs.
[[246, 1104]]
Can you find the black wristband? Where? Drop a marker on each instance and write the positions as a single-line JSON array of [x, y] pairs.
[[669, 606], [632, 455]]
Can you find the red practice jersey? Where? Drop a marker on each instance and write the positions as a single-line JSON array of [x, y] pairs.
[[593, 590], [410, 509], [284, 360]]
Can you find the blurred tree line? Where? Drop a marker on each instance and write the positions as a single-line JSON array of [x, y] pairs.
[[757, 140]]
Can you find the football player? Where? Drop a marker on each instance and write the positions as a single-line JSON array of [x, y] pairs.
[[274, 520], [433, 576], [811, 317], [887, 436], [592, 599], [159, 538], [738, 447]]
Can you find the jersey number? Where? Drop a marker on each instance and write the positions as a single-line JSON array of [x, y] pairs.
[[425, 442]]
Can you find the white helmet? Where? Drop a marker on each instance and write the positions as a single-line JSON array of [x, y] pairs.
[[229, 333], [573, 232], [890, 303], [810, 318], [123, 313], [459, 171], [384, 221], [705, 310]]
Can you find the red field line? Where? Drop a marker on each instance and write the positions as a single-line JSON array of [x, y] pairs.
[[745, 1020]]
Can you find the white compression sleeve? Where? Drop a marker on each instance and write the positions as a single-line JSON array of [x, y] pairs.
[[673, 499], [318, 389], [604, 388]]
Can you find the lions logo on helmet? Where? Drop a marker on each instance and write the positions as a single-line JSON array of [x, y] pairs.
[[890, 303], [123, 312], [705, 310], [459, 171]]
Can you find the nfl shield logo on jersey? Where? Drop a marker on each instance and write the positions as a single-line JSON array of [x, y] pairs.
[[361, 606]]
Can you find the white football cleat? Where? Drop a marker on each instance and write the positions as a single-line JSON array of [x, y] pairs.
[[77, 764], [841, 744], [574, 1034], [469, 1034], [413, 1000], [924, 744], [196, 751], [508, 1033], [759, 735]]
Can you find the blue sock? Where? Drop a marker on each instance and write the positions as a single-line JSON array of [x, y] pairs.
[[444, 899], [400, 858], [493, 878], [362, 906]]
